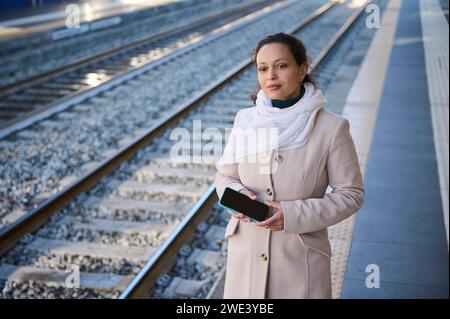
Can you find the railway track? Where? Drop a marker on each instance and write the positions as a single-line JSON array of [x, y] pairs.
[[42, 159], [123, 233], [69, 84]]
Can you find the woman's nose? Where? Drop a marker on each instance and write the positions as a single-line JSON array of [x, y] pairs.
[[271, 74]]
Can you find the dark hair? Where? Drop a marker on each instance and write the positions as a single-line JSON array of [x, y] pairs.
[[296, 47]]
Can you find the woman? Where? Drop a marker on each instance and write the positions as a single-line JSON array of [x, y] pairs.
[[288, 254]]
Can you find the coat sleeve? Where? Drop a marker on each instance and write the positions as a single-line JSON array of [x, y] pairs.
[[347, 197], [228, 176]]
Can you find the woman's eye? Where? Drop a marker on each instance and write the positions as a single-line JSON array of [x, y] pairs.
[[262, 69], [282, 66]]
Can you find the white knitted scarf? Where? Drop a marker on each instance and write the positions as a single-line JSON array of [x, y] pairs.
[[262, 128]]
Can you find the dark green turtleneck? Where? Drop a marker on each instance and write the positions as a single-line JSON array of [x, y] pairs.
[[282, 104]]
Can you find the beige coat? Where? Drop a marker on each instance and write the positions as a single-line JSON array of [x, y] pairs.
[[295, 262]]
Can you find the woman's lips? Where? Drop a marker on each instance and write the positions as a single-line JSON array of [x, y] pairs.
[[273, 87]]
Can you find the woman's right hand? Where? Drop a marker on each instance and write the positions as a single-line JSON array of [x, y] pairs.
[[242, 217]]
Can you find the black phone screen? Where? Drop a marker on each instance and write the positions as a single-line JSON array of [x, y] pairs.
[[240, 203]]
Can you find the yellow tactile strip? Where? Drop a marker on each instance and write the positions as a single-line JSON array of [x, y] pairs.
[[340, 238]]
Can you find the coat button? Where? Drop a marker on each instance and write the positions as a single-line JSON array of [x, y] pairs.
[[263, 257], [269, 192], [279, 159]]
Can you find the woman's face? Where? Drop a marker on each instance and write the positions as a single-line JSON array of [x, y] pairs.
[[279, 75]]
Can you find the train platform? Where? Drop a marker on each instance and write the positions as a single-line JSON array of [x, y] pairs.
[[26, 21], [397, 245], [401, 233]]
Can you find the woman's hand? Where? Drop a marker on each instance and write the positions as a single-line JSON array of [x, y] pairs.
[[242, 216], [276, 221]]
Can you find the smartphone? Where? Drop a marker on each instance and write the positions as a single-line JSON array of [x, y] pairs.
[[242, 204]]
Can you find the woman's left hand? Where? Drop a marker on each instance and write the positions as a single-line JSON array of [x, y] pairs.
[[276, 221]]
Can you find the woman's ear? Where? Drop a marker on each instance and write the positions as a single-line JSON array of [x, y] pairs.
[[303, 71]]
